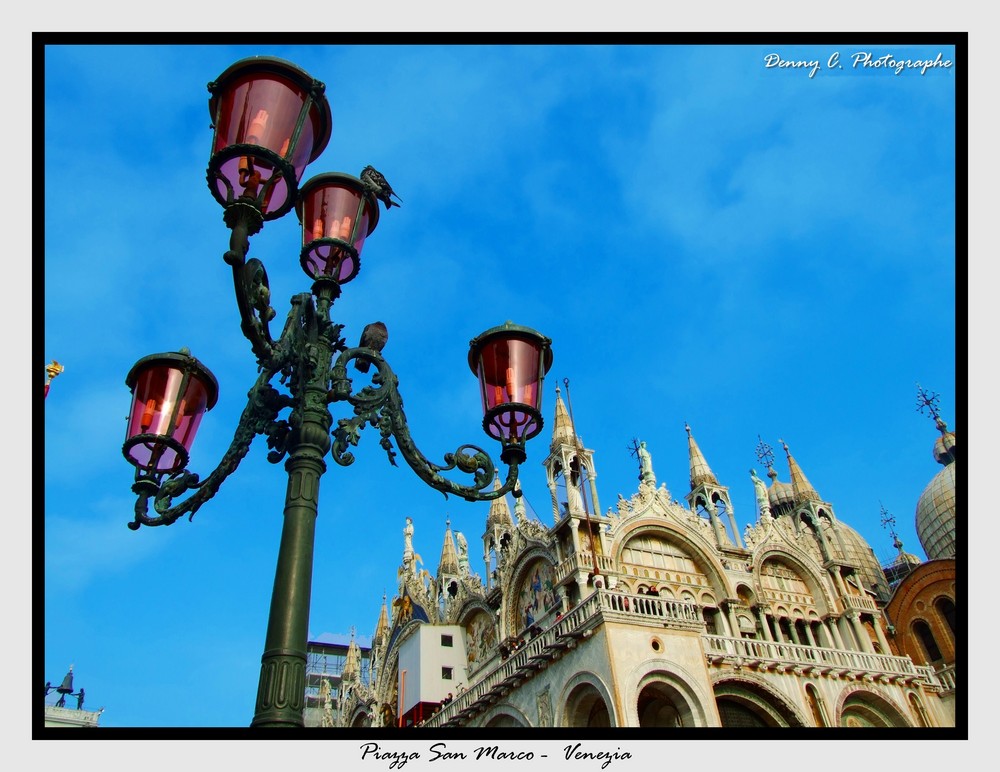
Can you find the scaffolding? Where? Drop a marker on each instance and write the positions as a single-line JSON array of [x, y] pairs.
[[325, 662]]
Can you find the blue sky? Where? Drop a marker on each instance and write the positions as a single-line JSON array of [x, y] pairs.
[[706, 240]]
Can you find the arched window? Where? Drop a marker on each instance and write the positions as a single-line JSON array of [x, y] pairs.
[[918, 708], [586, 708], [660, 705], [816, 706], [710, 615], [946, 608], [653, 551], [923, 632]]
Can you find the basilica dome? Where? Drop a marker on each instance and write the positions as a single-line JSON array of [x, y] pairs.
[[853, 549], [936, 515]]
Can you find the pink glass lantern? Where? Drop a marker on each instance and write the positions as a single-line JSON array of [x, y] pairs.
[[511, 362], [271, 119], [337, 213], [170, 394]]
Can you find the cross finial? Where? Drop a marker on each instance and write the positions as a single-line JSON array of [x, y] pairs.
[[930, 401], [764, 453], [633, 448], [889, 522]]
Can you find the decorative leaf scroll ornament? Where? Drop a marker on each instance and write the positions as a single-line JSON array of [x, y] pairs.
[[381, 406]]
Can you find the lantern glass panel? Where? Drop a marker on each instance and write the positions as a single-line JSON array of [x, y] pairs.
[[333, 212], [159, 407], [263, 109], [509, 373]]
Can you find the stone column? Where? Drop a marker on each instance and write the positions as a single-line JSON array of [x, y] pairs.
[[732, 522], [762, 618], [877, 622], [717, 527], [809, 634], [847, 634], [592, 478], [563, 598], [833, 630], [794, 633], [734, 623], [779, 637], [859, 629]]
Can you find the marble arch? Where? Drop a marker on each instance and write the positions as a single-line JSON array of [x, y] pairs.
[[869, 705], [564, 704], [750, 687], [504, 715], [662, 671], [808, 573], [701, 553]]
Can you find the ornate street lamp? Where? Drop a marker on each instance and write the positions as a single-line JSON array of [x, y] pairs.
[[271, 119]]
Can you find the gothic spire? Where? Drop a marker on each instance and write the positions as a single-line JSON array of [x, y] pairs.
[[700, 472], [800, 485], [499, 512], [352, 662], [449, 556], [382, 626], [563, 432]]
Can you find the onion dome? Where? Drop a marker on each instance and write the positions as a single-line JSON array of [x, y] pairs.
[[858, 553], [935, 516], [780, 495], [904, 563], [904, 558]]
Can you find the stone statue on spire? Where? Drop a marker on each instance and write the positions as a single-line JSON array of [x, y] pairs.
[[410, 557], [408, 537], [463, 553], [519, 510], [645, 465], [760, 490]]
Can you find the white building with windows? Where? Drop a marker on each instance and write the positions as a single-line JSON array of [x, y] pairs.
[[653, 613]]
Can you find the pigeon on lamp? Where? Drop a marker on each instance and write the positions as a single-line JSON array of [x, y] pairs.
[[376, 182], [374, 336]]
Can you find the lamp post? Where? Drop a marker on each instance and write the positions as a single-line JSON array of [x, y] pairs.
[[270, 120]]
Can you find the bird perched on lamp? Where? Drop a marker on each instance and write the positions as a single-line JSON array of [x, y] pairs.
[[374, 336], [376, 182]]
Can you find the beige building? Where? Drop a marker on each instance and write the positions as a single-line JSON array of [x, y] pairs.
[[653, 613]]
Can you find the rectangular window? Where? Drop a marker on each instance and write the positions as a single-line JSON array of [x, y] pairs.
[[446, 673], [446, 640]]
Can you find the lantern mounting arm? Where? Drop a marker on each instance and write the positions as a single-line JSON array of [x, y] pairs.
[[381, 405], [259, 417], [253, 293]]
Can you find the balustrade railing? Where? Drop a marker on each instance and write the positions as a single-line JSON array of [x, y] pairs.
[[946, 676], [583, 561], [675, 613], [501, 673], [859, 603], [808, 656]]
